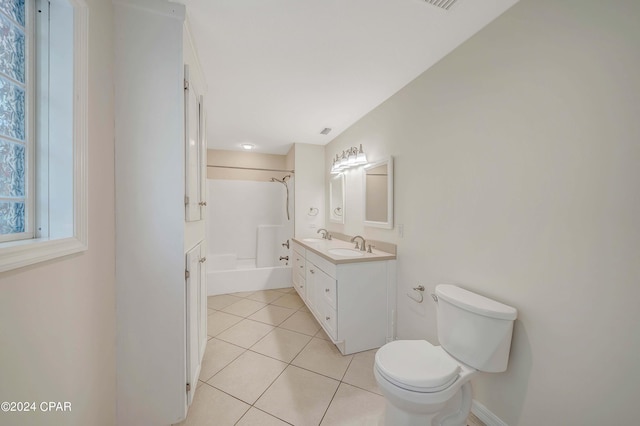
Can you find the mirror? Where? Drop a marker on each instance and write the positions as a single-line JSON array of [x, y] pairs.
[[336, 198], [378, 194]]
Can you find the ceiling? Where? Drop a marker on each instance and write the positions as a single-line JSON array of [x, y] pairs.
[[279, 71]]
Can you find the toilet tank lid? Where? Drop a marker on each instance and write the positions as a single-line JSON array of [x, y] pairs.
[[475, 303]]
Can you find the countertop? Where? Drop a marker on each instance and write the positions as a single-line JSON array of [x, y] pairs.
[[322, 248]]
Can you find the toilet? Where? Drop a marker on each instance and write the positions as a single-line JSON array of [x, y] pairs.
[[430, 385]]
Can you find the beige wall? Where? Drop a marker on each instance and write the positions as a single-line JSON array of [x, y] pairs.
[[57, 319], [517, 164], [237, 165]]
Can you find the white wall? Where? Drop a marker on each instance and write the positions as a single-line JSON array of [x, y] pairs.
[[517, 165], [57, 319], [235, 210], [310, 188]]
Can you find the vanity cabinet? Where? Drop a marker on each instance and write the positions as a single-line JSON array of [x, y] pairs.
[[353, 302]]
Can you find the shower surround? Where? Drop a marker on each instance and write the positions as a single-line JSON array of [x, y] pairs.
[[247, 226]]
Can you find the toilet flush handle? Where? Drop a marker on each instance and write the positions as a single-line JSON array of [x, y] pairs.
[[434, 297]]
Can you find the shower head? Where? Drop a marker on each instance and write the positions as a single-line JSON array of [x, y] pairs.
[[283, 181]]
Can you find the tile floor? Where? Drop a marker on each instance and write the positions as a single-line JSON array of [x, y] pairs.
[[268, 362]]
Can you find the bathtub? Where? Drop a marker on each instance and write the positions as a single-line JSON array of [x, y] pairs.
[[227, 274]]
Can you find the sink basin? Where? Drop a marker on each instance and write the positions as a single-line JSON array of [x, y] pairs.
[[312, 240], [345, 252]]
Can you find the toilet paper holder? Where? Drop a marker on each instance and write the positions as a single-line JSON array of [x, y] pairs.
[[419, 290]]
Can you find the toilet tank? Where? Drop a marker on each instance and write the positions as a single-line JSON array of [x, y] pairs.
[[474, 329]]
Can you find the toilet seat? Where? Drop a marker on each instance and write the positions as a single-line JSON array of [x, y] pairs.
[[417, 365]]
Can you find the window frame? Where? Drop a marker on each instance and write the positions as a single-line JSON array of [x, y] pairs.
[[19, 253]]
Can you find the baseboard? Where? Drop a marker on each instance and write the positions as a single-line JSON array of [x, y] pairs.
[[486, 416]]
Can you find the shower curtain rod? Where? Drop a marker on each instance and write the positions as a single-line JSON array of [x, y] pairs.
[[253, 168]]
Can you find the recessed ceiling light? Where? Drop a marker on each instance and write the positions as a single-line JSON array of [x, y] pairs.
[[247, 146]]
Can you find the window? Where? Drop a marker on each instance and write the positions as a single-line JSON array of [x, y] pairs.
[[43, 127], [14, 142]]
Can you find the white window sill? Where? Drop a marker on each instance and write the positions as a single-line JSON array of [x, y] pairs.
[[17, 254]]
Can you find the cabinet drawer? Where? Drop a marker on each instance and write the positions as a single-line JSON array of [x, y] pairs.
[[298, 263], [329, 319], [322, 263]]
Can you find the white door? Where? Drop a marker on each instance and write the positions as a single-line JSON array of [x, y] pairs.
[[194, 319]]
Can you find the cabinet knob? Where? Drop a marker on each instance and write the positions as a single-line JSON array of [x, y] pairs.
[[327, 318], [300, 267], [326, 290], [312, 271], [202, 203]]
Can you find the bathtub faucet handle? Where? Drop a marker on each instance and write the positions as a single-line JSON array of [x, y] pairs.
[[286, 244]]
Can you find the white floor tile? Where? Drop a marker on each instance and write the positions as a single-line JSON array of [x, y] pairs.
[[266, 296], [215, 408], [302, 323], [221, 301], [244, 307], [218, 322], [360, 371], [304, 308], [248, 376], [281, 344], [285, 289], [355, 407], [217, 355], [322, 335], [292, 301], [324, 358], [245, 333], [255, 417], [298, 396], [273, 315]]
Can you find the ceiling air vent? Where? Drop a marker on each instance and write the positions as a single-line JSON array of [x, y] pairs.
[[325, 131], [442, 4]]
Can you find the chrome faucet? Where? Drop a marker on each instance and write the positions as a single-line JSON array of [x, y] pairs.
[[325, 233], [361, 247]]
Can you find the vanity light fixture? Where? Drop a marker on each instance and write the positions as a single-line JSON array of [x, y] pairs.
[[352, 157], [247, 146], [361, 157]]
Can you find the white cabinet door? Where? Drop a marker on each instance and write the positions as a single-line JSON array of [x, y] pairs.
[[195, 318], [325, 286], [202, 304], [194, 150]]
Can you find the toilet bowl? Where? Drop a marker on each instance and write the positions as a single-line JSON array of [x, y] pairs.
[[430, 385], [423, 384]]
